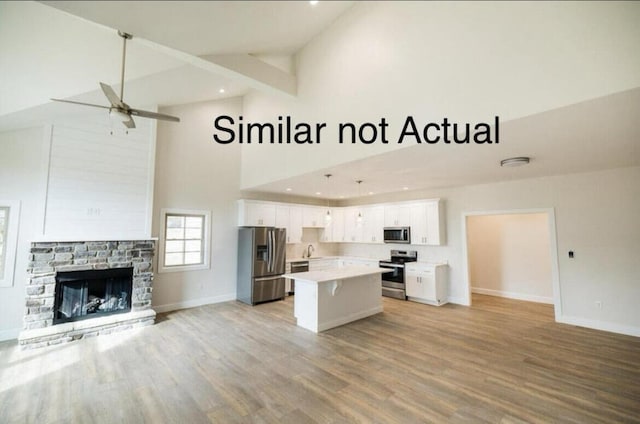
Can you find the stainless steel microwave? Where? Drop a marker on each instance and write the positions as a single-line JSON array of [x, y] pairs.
[[397, 235]]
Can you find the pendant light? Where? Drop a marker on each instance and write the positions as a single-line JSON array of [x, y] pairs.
[[359, 218], [327, 217]]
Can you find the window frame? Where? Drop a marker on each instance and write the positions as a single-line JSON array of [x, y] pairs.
[[11, 242], [205, 240]]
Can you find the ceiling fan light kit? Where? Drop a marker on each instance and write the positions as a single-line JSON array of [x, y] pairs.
[[119, 109]]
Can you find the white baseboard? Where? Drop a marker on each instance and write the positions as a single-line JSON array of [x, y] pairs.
[[600, 325], [10, 334], [194, 303], [512, 295]]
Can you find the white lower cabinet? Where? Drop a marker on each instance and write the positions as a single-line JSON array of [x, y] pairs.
[[426, 283]]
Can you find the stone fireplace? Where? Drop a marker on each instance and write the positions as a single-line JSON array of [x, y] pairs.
[[86, 288]]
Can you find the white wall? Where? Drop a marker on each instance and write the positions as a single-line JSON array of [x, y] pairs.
[[22, 177], [509, 256], [596, 217], [467, 61], [193, 172]]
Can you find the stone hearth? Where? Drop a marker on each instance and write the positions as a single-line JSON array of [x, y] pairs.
[[49, 258]]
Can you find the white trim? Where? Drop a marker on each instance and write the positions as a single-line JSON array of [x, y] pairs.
[[46, 165], [512, 295], [151, 169], [194, 303], [10, 334], [600, 325], [207, 240], [553, 251], [11, 243]]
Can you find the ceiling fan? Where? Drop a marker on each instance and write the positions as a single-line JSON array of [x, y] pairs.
[[118, 108]]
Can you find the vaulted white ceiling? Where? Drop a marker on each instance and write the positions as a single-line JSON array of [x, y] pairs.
[[185, 52], [62, 49]]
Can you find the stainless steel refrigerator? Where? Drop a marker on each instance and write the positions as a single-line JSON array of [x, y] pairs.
[[261, 263]]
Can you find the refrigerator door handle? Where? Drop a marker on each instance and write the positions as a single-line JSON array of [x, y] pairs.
[[269, 251]]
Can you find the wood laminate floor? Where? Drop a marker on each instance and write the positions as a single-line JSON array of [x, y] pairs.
[[500, 361]]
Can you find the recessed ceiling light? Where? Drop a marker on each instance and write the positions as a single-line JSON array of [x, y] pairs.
[[288, 189], [313, 2], [405, 188], [518, 161], [318, 193], [370, 193], [221, 90]]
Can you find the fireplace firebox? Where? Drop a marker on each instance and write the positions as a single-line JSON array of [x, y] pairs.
[[92, 293]]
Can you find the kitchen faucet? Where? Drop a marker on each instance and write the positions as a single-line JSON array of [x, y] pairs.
[[310, 250]]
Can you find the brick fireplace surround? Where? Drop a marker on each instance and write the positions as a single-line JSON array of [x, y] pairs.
[[49, 258]]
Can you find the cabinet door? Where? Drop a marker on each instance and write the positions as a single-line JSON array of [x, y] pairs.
[[419, 223], [373, 223], [433, 223], [260, 214], [412, 287], [282, 219], [312, 217], [427, 282], [353, 226], [294, 232], [337, 225], [397, 215]]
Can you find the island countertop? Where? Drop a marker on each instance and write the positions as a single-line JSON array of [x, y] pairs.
[[334, 274]]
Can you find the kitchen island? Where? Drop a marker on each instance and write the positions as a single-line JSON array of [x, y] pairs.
[[333, 297]]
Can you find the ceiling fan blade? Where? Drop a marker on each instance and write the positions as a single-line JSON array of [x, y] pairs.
[[129, 124], [112, 96], [153, 115], [80, 103]]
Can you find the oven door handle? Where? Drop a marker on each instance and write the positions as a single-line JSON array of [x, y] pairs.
[[391, 265]]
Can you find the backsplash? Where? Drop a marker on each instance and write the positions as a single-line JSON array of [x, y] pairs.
[[311, 236]]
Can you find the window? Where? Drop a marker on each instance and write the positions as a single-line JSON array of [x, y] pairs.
[[9, 214], [184, 243]]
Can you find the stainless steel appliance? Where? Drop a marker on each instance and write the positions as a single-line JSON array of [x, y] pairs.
[[261, 263], [298, 266], [397, 235], [393, 283]]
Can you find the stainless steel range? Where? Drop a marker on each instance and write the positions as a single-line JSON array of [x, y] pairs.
[[393, 284]]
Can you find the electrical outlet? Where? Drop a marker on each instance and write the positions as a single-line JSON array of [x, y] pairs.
[[599, 304]]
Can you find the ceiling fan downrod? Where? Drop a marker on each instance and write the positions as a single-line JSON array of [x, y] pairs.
[[125, 36]]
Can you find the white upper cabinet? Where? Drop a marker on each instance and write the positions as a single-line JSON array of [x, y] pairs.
[[256, 214], [282, 217], [373, 224], [397, 215], [290, 218], [313, 216], [353, 224], [334, 229], [294, 231]]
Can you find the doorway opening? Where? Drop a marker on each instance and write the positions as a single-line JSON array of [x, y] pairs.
[[512, 254]]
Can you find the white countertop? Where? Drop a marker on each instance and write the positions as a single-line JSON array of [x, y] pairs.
[[289, 260], [335, 274]]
